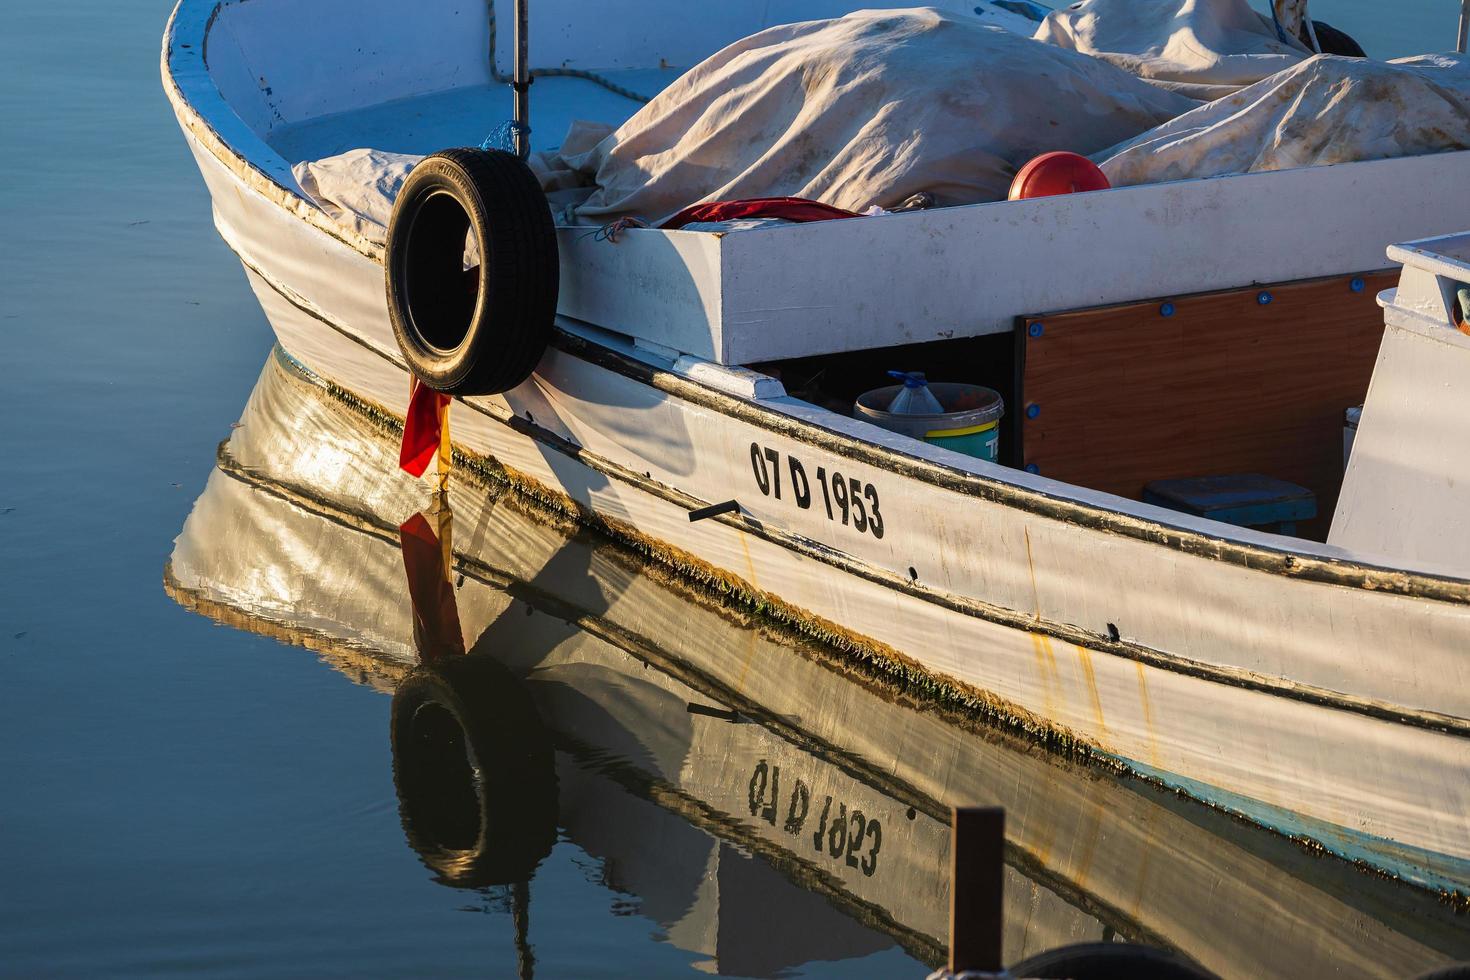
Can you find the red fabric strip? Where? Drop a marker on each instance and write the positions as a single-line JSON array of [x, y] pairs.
[[436, 629], [790, 208], [422, 428]]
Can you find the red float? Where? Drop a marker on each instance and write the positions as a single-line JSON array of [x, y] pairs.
[[1058, 172]]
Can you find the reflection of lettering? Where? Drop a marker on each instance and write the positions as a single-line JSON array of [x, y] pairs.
[[822, 824], [837, 836], [846, 836], [855, 838], [869, 863], [758, 793], [770, 776], [801, 799]]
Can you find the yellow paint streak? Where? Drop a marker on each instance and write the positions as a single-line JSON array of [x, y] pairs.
[[1148, 717], [752, 638], [1084, 657], [1090, 832], [1141, 883], [749, 564], [1046, 671]]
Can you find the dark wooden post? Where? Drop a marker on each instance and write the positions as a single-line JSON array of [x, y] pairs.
[[977, 846]]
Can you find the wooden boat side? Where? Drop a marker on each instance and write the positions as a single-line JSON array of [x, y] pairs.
[[1080, 694], [349, 299]]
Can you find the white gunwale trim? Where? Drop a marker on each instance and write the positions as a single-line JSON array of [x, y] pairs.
[[184, 64]]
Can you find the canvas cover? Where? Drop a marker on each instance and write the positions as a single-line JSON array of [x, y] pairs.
[[868, 109], [862, 110], [357, 188], [1205, 49], [1324, 110]]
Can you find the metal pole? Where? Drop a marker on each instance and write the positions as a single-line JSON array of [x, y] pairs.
[[977, 847], [1464, 26], [521, 80], [520, 913]]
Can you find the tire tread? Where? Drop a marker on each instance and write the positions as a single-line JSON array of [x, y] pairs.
[[518, 252]]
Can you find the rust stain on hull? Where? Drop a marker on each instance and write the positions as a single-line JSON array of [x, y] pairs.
[[1084, 657], [1151, 741]]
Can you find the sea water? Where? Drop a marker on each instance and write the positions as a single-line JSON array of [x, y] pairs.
[[180, 797]]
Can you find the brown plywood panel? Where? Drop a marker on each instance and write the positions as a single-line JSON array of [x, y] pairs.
[[1125, 395]]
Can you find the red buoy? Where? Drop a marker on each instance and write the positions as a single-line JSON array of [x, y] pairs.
[[1058, 172]]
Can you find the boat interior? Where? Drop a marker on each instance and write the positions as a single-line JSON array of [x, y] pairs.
[[1251, 382], [1256, 381]]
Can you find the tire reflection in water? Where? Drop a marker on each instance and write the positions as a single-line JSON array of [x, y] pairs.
[[473, 765], [700, 749]]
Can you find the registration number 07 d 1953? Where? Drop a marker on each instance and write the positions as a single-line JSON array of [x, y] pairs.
[[845, 499]]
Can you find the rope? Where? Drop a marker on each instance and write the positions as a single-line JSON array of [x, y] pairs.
[[610, 231], [590, 76], [503, 137], [1275, 21], [1286, 39]]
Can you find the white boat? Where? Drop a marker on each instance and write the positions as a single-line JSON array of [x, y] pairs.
[[1320, 688], [697, 748]]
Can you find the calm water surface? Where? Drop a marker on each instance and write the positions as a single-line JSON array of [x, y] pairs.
[[182, 796]]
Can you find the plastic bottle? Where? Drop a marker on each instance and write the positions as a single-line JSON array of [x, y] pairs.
[[914, 398]]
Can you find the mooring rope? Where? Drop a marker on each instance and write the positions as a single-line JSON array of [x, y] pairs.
[[610, 231], [503, 137], [591, 76]]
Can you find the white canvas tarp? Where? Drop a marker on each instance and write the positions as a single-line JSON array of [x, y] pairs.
[[873, 107], [862, 110], [1325, 110], [1204, 49], [357, 188]]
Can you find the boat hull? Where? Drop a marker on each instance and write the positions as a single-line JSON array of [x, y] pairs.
[[1244, 673], [294, 537]]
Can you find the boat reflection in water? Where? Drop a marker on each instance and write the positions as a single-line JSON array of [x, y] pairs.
[[766, 802]]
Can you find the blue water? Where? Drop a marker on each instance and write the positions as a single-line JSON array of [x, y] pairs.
[[1389, 30], [179, 797]]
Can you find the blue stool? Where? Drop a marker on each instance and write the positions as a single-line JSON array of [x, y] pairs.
[[1242, 499]]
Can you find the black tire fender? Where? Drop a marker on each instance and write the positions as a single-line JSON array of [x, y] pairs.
[[1450, 971], [476, 330], [1109, 961]]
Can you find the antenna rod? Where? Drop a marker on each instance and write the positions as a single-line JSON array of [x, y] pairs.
[[1464, 26], [521, 80]]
